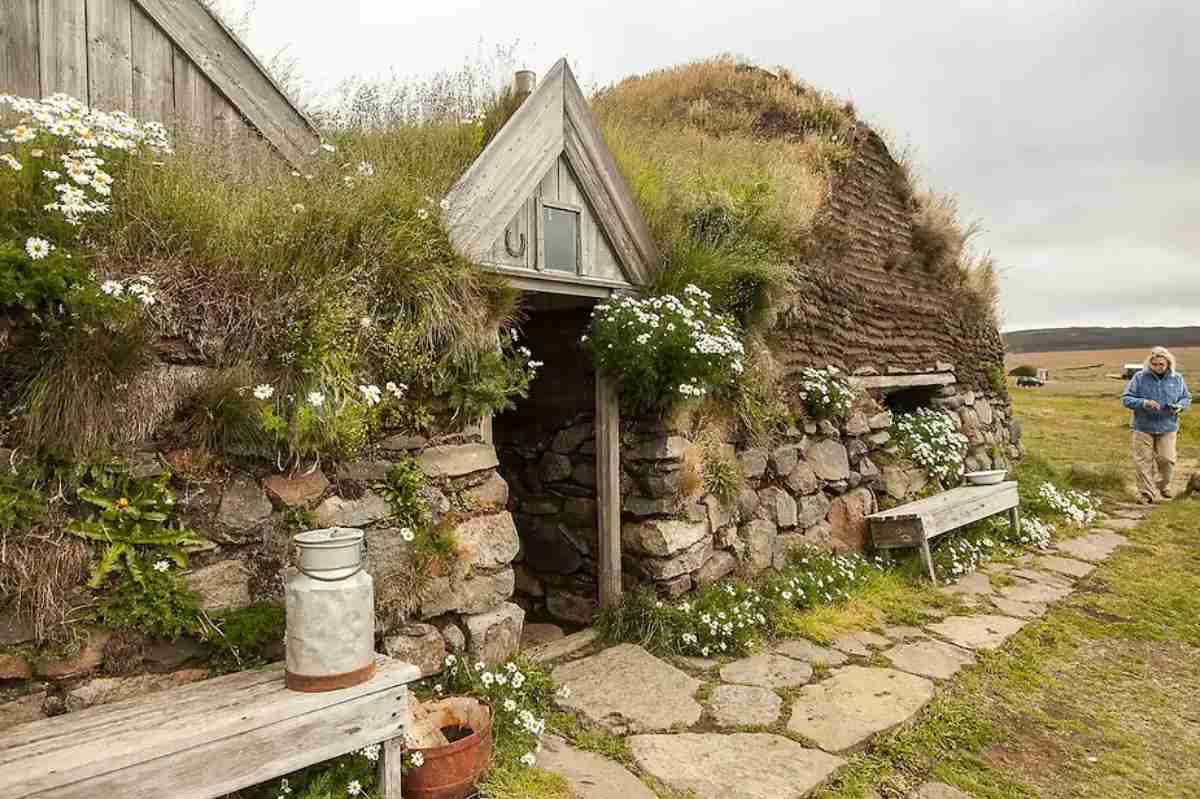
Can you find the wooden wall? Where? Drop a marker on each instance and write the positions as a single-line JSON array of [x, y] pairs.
[[116, 55]]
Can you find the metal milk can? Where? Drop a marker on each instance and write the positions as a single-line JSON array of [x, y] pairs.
[[330, 612]]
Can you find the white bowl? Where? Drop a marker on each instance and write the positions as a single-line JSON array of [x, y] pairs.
[[987, 478]]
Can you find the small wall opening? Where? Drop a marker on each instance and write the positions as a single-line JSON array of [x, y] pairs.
[[546, 447], [907, 400]]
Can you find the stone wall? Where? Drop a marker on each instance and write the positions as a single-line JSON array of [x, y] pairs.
[[249, 518]]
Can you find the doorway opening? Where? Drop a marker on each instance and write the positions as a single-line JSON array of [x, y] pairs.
[[547, 451]]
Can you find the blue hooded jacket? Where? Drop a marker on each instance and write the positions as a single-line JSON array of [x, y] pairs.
[[1167, 390]]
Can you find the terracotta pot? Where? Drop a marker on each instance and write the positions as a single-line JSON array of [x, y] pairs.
[[450, 770]]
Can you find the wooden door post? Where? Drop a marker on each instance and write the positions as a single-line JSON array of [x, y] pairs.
[[608, 489]]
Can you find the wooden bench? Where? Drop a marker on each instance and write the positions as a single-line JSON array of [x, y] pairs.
[[207, 739], [917, 523]]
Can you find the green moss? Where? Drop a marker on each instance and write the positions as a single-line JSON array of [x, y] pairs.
[[240, 637]]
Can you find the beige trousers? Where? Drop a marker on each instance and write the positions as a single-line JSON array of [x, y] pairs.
[[1152, 450]]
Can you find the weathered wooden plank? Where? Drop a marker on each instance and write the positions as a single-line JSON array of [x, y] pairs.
[[193, 95], [47, 753], [886, 382], [945, 498], [62, 34], [236, 73], [972, 510], [514, 246], [897, 533], [109, 59], [508, 171], [570, 193], [218, 766], [390, 773], [608, 489], [19, 62], [613, 200], [153, 70]]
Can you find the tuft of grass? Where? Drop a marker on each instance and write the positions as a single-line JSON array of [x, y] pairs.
[[223, 416]]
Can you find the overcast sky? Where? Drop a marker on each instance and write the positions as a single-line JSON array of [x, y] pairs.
[[1071, 129]]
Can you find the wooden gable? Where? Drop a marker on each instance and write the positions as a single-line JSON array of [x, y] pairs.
[[162, 60], [550, 159]]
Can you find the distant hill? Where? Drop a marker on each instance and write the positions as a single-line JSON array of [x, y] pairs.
[[1070, 339]]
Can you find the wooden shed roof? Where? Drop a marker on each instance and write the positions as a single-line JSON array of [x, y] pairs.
[[140, 56], [553, 122]]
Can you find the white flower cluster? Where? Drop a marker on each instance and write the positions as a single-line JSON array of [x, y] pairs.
[[823, 393], [139, 289], [504, 687], [1078, 506], [709, 632], [821, 578], [962, 555], [77, 135], [1035, 532], [685, 330], [928, 437]]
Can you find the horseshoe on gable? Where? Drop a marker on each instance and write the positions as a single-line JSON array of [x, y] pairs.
[[508, 244]]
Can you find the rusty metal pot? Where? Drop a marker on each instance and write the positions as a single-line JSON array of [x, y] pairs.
[[451, 770]]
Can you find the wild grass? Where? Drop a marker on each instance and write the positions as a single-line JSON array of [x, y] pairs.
[[730, 166], [941, 247]]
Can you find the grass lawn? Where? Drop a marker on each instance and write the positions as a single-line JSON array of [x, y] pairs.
[[1097, 699]]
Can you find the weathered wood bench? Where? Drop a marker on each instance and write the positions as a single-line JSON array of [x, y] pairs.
[[917, 523], [207, 739]]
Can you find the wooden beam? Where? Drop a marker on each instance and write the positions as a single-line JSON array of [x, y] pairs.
[[236, 73], [608, 489], [916, 522], [62, 33], [19, 68], [390, 772], [896, 382], [109, 55]]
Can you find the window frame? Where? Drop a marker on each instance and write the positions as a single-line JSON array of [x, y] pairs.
[[539, 211]]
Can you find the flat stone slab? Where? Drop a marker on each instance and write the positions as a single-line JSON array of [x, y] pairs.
[[860, 643], [1068, 566], [697, 664], [1120, 524], [767, 671], [625, 689], [1022, 610], [856, 703], [977, 632], [553, 650], [590, 775], [934, 659], [738, 766], [938, 790], [1043, 577], [904, 632], [744, 705], [803, 649], [1094, 547], [1034, 593], [972, 585]]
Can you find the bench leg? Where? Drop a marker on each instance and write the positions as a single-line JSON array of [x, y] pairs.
[[390, 771], [927, 556], [1014, 518]]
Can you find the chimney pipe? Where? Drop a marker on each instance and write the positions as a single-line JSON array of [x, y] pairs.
[[523, 82]]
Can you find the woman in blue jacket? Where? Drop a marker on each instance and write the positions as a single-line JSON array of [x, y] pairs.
[[1156, 395]]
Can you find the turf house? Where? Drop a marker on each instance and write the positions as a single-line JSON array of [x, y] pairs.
[[541, 354]]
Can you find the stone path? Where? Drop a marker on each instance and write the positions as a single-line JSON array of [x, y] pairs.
[[689, 746]]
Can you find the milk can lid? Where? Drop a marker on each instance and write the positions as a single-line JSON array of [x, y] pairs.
[[328, 536]]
